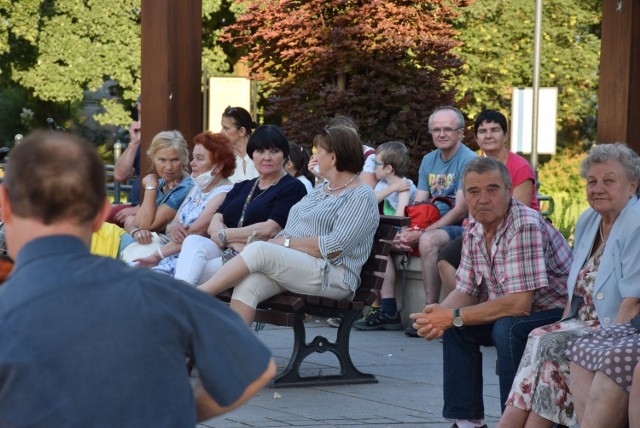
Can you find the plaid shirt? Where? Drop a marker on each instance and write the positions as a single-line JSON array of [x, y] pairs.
[[527, 253]]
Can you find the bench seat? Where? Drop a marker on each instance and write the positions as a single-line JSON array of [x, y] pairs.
[[290, 310]]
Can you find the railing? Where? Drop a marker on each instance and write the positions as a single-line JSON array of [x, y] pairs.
[[547, 205], [115, 188]]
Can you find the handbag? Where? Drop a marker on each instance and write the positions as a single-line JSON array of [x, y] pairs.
[[424, 214], [228, 254]]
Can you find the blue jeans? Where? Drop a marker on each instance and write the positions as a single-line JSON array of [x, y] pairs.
[[463, 360]]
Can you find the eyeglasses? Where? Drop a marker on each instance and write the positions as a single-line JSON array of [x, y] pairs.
[[378, 163], [447, 131], [229, 110]]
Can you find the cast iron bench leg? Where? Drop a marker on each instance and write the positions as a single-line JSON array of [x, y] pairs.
[[349, 374]]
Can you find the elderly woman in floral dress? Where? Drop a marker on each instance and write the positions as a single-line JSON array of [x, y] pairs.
[[604, 288]]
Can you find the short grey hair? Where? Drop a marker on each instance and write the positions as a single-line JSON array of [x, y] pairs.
[[482, 165], [617, 152], [459, 115]]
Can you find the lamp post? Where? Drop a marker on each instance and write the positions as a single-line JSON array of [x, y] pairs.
[[537, 38]]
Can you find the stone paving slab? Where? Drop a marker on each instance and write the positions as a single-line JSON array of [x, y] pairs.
[[409, 392]]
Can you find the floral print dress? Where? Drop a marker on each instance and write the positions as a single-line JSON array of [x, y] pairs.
[[189, 212], [540, 384]]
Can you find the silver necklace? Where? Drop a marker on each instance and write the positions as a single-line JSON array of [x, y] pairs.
[[333, 189], [282, 174]]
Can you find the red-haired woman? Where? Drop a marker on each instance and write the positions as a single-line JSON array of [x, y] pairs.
[[212, 165]]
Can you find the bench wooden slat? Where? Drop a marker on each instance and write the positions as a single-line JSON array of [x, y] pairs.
[[282, 319]]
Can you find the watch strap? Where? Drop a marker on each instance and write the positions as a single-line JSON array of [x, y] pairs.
[[457, 320]]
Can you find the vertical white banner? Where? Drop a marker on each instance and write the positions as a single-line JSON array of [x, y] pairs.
[[521, 120], [225, 92]]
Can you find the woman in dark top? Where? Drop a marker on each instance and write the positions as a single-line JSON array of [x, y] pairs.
[[253, 210]]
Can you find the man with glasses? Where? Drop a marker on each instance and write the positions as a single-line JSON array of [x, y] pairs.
[[440, 174]]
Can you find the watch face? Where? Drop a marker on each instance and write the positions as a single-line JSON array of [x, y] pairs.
[[457, 322]]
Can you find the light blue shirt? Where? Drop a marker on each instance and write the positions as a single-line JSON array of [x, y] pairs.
[[618, 274]]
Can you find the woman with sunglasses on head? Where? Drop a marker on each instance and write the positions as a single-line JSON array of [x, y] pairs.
[[368, 173], [325, 242], [238, 125]]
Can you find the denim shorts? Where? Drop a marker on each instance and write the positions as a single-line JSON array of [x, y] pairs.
[[453, 231]]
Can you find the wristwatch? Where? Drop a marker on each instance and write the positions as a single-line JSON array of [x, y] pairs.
[[222, 237], [457, 321], [287, 242]]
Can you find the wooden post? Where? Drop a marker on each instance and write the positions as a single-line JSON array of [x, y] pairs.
[[619, 97], [171, 70]]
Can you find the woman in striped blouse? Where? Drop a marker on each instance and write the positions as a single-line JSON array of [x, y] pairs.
[[325, 242]]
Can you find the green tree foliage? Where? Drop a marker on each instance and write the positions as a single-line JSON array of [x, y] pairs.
[[497, 48], [560, 178], [76, 46], [382, 63], [57, 50]]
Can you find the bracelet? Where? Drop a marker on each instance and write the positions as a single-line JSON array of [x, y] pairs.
[[134, 230], [222, 237], [160, 253]]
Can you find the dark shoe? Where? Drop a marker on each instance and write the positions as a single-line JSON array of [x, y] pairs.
[[378, 320], [334, 322], [411, 332]]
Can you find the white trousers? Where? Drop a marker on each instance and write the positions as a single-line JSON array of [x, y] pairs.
[[275, 269], [199, 259]]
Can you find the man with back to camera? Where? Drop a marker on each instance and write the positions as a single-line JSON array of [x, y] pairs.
[[512, 278], [89, 341]]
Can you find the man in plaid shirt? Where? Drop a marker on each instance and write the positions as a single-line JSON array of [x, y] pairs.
[[512, 278]]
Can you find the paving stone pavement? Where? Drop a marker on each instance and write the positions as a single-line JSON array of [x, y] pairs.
[[409, 392]]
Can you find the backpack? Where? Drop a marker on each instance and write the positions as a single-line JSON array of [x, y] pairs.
[[424, 214]]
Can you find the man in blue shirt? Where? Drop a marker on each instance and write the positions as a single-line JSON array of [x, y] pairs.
[[440, 174], [89, 341]]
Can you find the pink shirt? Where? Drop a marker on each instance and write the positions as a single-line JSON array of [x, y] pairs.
[[520, 171]]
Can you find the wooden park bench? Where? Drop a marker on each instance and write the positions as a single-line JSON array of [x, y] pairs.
[[290, 309]]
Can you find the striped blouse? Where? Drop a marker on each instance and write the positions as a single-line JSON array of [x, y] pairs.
[[343, 223]]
